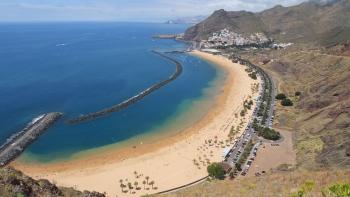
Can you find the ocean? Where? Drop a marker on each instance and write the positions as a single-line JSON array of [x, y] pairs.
[[78, 68]]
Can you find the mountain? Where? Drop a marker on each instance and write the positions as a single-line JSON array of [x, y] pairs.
[[187, 20], [323, 22]]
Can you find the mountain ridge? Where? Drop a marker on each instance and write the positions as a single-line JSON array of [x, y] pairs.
[[308, 22]]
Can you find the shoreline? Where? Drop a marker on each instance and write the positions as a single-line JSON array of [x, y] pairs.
[[170, 161], [148, 139]]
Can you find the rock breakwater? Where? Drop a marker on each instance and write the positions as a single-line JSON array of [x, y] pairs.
[[135, 98]]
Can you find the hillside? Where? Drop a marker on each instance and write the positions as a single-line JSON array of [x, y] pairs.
[[321, 116], [241, 22], [281, 183], [307, 22], [319, 121], [14, 183]]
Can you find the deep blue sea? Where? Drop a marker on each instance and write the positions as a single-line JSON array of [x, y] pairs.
[[77, 68]]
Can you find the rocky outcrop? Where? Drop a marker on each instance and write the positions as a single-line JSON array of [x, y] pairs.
[[14, 183]]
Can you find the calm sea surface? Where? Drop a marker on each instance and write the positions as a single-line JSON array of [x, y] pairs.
[[77, 68]]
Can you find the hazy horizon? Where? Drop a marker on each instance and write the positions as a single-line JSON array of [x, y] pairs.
[[123, 10]]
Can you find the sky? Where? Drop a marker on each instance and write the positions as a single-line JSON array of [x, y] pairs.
[[124, 10]]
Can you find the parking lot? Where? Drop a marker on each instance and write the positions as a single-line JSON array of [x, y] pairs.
[[249, 134]]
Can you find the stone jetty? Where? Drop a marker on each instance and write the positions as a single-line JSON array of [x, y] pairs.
[[135, 98], [17, 143]]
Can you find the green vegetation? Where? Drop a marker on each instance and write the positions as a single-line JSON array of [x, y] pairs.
[[215, 170], [244, 155], [339, 190], [238, 167], [305, 188], [287, 102], [242, 113], [248, 70], [232, 133], [335, 190], [284, 100], [266, 133], [269, 134], [232, 175], [20, 195], [280, 96], [250, 102], [253, 75], [247, 104]]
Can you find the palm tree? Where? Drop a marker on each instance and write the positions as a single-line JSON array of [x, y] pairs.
[[147, 177], [135, 174], [152, 183], [130, 187], [136, 183], [122, 186], [144, 183]]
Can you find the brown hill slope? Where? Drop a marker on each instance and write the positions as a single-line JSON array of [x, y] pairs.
[[240, 22], [321, 116], [307, 22], [275, 184]]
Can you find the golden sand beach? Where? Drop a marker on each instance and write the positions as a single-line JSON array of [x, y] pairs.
[[171, 162]]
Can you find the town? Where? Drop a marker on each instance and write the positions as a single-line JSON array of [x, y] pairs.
[[226, 39]]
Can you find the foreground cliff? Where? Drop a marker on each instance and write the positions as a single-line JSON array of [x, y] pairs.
[[14, 183]]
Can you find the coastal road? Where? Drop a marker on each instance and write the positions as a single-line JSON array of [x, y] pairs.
[[236, 151], [250, 159], [269, 119], [238, 148]]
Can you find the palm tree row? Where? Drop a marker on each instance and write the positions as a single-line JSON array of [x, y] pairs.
[[129, 187]]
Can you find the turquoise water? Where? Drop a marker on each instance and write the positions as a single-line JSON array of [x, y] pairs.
[[77, 68]]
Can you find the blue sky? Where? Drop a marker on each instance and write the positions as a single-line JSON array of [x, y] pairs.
[[123, 10]]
